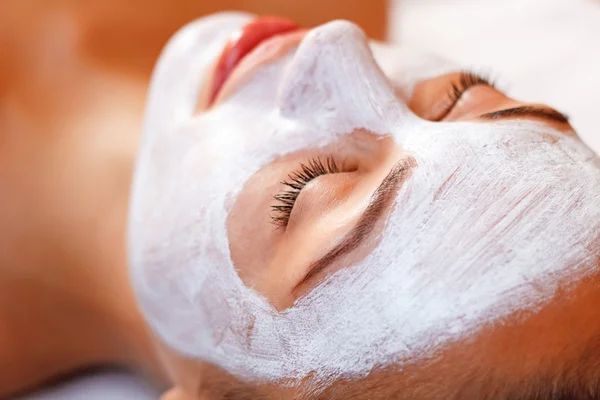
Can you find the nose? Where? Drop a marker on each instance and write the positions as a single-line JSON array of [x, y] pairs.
[[334, 77]]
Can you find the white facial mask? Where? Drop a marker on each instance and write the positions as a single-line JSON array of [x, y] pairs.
[[493, 217]]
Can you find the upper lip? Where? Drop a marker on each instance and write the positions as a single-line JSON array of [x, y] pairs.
[[244, 42]]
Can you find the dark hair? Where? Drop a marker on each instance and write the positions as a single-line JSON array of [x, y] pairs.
[[578, 379]]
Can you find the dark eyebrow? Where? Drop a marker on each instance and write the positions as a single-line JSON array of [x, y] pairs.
[[528, 111], [379, 201]]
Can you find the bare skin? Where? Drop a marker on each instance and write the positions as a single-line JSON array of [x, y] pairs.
[[67, 152], [66, 301], [65, 298], [77, 310]]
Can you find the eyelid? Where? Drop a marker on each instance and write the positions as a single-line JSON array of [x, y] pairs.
[[379, 202], [293, 185], [466, 80]]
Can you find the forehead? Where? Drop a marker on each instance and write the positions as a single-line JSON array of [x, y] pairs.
[[446, 262]]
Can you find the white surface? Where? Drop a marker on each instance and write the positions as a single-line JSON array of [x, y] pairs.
[[106, 385], [541, 50], [495, 196], [545, 49]]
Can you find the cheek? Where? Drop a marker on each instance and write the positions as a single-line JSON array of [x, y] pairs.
[[252, 236]]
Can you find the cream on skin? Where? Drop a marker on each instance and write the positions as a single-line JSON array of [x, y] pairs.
[[491, 219]]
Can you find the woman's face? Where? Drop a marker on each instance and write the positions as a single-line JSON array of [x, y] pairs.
[[339, 206]]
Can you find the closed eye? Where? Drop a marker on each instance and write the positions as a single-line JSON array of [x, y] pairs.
[[467, 96], [466, 80], [285, 200]]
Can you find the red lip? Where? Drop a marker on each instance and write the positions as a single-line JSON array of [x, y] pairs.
[[243, 42]]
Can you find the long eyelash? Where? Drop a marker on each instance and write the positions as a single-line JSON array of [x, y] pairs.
[[467, 80], [281, 212]]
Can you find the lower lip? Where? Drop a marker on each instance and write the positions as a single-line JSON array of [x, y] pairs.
[[243, 42]]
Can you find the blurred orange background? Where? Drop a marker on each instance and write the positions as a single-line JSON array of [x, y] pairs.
[[47, 46], [73, 82], [79, 69]]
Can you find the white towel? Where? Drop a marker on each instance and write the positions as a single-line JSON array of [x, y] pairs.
[[544, 51]]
